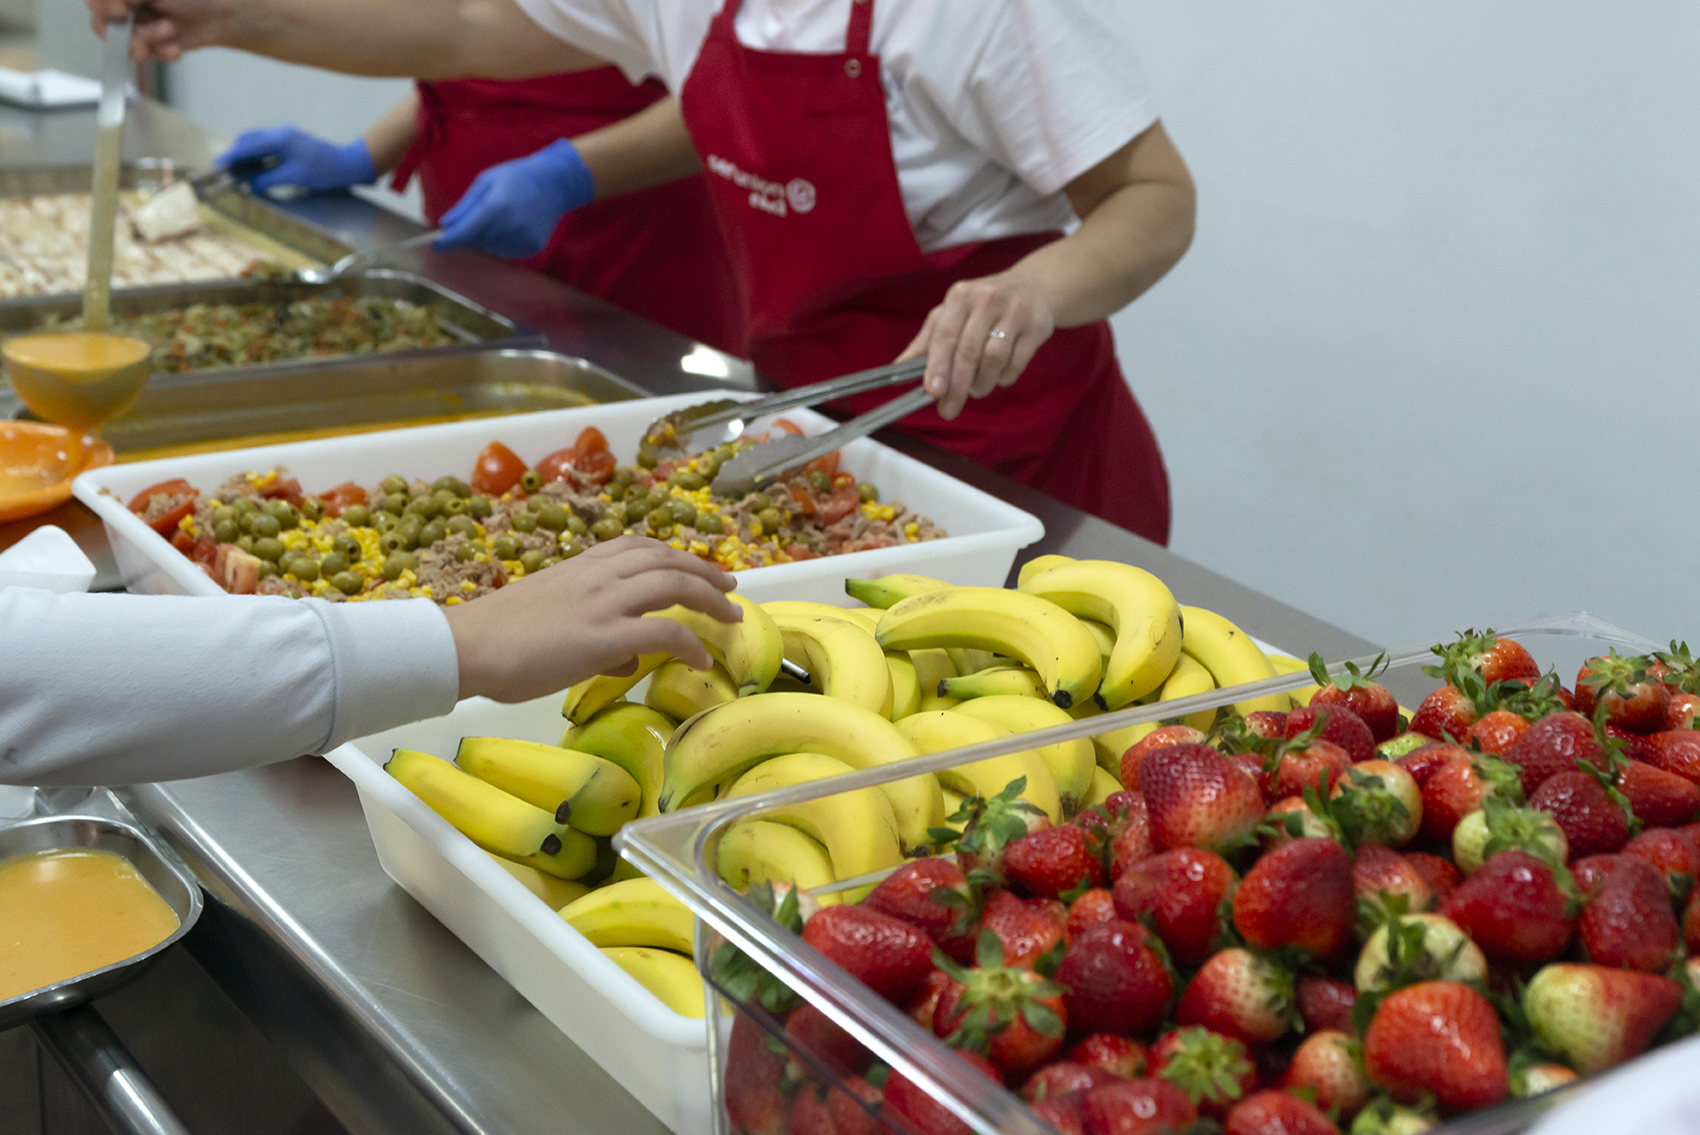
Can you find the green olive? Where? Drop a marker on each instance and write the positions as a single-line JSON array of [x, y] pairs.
[[305, 568], [225, 513], [504, 548], [332, 562], [607, 528], [616, 513], [576, 525], [447, 484], [268, 548], [264, 524], [710, 524], [443, 497], [432, 532], [684, 512], [267, 569], [466, 553], [568, 551], [622, 477], [384, 522], [246, 543], [531, 480], [770, 519], [349, 582], [707, 467], [410, 524], [868, 491], [244, 505], [465, 525], [685, 479], [478, 506], [226, 531], [357, 516], [759, 501], [553, 517], [531, 560], [659, 516], [393, 484], [349, 548], [524, 522], [423, 507], [646, 455], [819, 480], [399, 562], [662, 533], [313, 508], [395, 504], [456, 506], [549, 562], [397, 539], [246, 521], [536, 503]]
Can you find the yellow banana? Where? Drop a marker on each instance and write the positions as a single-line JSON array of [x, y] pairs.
[[952, 805], [680, 692], [556, 892], [1071, 762], [932, 667], [842, 658], [905, 684], [1016, 680], [636, 912], [633, 737], [750, 650], [1287, 664], [1231, 657], [761, 851], [578, 856], [1103, 784], [888, 590], [673, 978], [1013, 623], [724, 742], [857, 827], [1109, 747], [1138, 608], [939, 730], [778, 607], [596, 796], [1190, 678], [594, 694], [970, 661], [485, 814], [1038, 564], [1106, 639]]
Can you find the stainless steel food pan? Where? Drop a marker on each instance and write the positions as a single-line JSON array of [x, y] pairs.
[[167, 876]]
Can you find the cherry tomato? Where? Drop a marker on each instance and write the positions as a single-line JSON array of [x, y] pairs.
[[589, 457], [342, 496], [167, 525], [139, 502], [590, 441], [843, 481], [844, 501], [496, 470]]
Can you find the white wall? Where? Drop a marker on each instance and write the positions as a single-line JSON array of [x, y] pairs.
[[1433, 358]]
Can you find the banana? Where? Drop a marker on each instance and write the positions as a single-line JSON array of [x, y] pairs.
[[1106, 639], [761, 851], [482, 812], [1103, 784], [1109, 747], [905, 685], [556, 892], [952, 805], [888, 590], [1071, 762], [1231, 657], [633, 737], [680, 692], [594, 795], [1008, 680], [970, 661], [723, 742], [673, 978], [857, 828], [842, 658], [1022, 626], [1038, 564], [939, 730], [635, 912], [594, 694], [932, 667], [1190, 678], [578, 857], [750, 650], [1138, 608], [778, 607], [1287, 664]]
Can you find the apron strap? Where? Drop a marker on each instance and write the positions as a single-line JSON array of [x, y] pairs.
[[861, 26]]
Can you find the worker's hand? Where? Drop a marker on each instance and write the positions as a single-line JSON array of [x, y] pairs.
[[305, 161], [511, 209], [583, 617], [981, 337], [165, 29]]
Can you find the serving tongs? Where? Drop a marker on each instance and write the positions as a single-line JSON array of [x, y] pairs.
[[360, 259], [223, 179], [696, 428], [751, 468]]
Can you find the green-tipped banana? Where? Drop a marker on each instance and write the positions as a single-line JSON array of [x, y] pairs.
[[1014, 681], [1231, 656], [595, 694], [1038, 564], [595, 795], [1103, 784], [491, 818], [1026, 627], [556, 892], [680, 692], [633, 737], [1071, 762], [579, 856], [843, 659], [636, 912], [726, 741], [762, 851], [888, 590], [1137, 607], [857, 827], [1189, 679], [750, 650], [673, 978], [940, 730]]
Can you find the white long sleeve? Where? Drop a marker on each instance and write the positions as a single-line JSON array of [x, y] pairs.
[[123, 689]]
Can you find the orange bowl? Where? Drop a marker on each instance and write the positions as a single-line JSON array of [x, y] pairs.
[[35, 467]]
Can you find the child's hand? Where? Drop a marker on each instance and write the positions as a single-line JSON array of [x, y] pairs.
[[583, 617]]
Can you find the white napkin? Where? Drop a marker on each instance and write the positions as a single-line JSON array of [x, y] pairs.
[[49, 559], [48, 87]]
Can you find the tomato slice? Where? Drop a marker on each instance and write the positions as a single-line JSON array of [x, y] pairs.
[[166, 525], [798, 552], [589, 457], [139, 502], [844, 501], [827, 464], [496, 470], [285, 489], [342, 496], [590, 441]]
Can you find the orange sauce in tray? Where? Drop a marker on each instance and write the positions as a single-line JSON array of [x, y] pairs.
[[72, 911]]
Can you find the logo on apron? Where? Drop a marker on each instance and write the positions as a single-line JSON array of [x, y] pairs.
[[797, 195]]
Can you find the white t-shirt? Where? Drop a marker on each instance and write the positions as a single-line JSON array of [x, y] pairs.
[[994, 105]]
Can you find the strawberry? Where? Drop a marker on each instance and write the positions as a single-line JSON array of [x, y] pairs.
[[754, 1072], [1514, 908], [1684, 710], [1379, 802], [1277, 1113], [1442, 877], [1119, 1055], [1538, 1079], [1634, 745], [1278, 823], [1402, 744], [1422, 761], [1499, 826], [1676, 750], [810, 1113], [922, 1004], [1446, 714], [1326, 1004], [1182, 893], [1266, 724], [1197, 798], [1675, 855], [1063, 1112], [1116, 982], [1495, 659], [1590, 874], [1378, 871], [1359, 692], [1213, 1070], [1095, 906], [1026, 927], [1437, 1038], [1300, 894], [1011, 1014], [1495, 731], [1063, 1076], [1289, 772], [1629, 696], [888, 956], [1629, 923], [1457, 788], [991, 826], [1553, 745], [1241, 995], [912, 894], [1053, 860], [812, 1033], [1691, 926], [1330, 1064], [1335, 724], [1160, 738], [1592, 821], [1595, 1017], [918, 1112], [1252, 764], [849, 1109], [1137, 1107], [1660, 799], [1134, 842]]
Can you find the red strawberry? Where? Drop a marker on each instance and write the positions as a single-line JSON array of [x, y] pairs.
[[813, 1033], [1421, 762], [1684, 710], [1445, 714], [1457, 788], [1213, 1070], [1590, 874], [1300, 894], [1269, 724], [1027, 928], [1595, 1017], [1326, 1004], [1090, 909], [1137, 1107], [1676, 750], [908, 894], [1277, 1113], [1160, 738], [1197, 798], [1278, 822], [1437, 1038], [1336, 724], [810, 1113], [1634, 744], [1361, 694], [1632, 699], [1495, 659], [1591, 820], [1377, 870], [1552, 745], [1182, 892], [919, 1113], [1116, 982], [1442, 877], [1514, 909], [1119, 1055], [1053, 860], [1495, 732], [1675, 855], [849, 1110], [1251, 764], [1238, 994], [1134, 842], [1317, 765], [1691, 926], [754, 1073], [1018, 1014], [888, 956], [1063, 1076], [1661, 799], [1330, 1064], [923, 1003], [1063, 1112], [1629, 923]]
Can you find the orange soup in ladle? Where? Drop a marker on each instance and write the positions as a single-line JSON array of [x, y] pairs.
[[77, 379]]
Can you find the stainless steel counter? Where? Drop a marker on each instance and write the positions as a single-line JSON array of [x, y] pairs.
[[394, 1024]]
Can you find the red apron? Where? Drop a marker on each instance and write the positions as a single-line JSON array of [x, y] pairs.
[[657, 252], [798, 156]]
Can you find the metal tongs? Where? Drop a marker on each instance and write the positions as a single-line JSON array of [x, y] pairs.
[[360, 259], [751, 468], [223, 179]]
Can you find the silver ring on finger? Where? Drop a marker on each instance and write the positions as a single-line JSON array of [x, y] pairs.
[[997, 333]]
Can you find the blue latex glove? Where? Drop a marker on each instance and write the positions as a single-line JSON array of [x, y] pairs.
[[510, 209], [309, 162]]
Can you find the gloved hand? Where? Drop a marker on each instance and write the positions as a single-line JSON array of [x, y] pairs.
[[309, 162], [510, 209]]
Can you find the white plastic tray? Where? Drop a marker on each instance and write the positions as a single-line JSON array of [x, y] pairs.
[[985, 533]]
